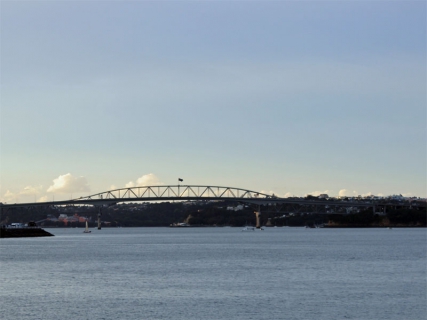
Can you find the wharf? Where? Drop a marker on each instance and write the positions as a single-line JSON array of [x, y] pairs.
[[27, 232]]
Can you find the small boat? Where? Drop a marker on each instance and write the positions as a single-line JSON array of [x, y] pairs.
[[87, 229], [179, 225], [248, 229]]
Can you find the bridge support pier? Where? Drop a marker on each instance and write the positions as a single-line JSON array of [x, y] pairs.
[[258, 214], [99, 217]]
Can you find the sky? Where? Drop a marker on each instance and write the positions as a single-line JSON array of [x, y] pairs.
[[283, 97]]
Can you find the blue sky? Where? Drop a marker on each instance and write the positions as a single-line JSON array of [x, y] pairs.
[[287, 97]]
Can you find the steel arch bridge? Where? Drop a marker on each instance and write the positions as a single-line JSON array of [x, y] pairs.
[[172, 192], [176, 192], [159, 193], [182, 193]]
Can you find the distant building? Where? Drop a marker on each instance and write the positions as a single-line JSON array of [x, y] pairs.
[[62, 217], [83, 219]]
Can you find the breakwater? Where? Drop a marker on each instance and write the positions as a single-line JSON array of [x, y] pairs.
[[24, 232]]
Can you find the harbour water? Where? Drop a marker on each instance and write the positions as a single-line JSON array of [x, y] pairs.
[[215, 273]]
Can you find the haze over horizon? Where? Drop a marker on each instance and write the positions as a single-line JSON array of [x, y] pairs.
[[291, 98]]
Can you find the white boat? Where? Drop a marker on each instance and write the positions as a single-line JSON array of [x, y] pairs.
[[248, 229], [87, 229], [180, 225]]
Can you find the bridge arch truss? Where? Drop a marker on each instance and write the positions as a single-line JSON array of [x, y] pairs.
[[174, 192]]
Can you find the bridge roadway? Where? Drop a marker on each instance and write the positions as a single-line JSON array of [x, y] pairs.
[[188, 193]]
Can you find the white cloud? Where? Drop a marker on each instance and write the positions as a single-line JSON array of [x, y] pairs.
[[146, 180], [43, 199], [10, 197], [113, 187], [67, 183], [343, 193], [347, 193], [23, 195], [30, 190], [288, 195], [130, 184]]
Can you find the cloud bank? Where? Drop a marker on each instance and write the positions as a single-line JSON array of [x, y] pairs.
[[146, 180], [346, 193], [30, 190], [67, 183]]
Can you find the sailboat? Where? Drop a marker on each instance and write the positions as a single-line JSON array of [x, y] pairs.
[[87, 228]]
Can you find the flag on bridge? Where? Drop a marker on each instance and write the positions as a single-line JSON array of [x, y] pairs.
[[179, 179]]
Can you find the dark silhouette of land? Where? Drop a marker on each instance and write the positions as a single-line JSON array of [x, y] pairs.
[[210, 214]]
